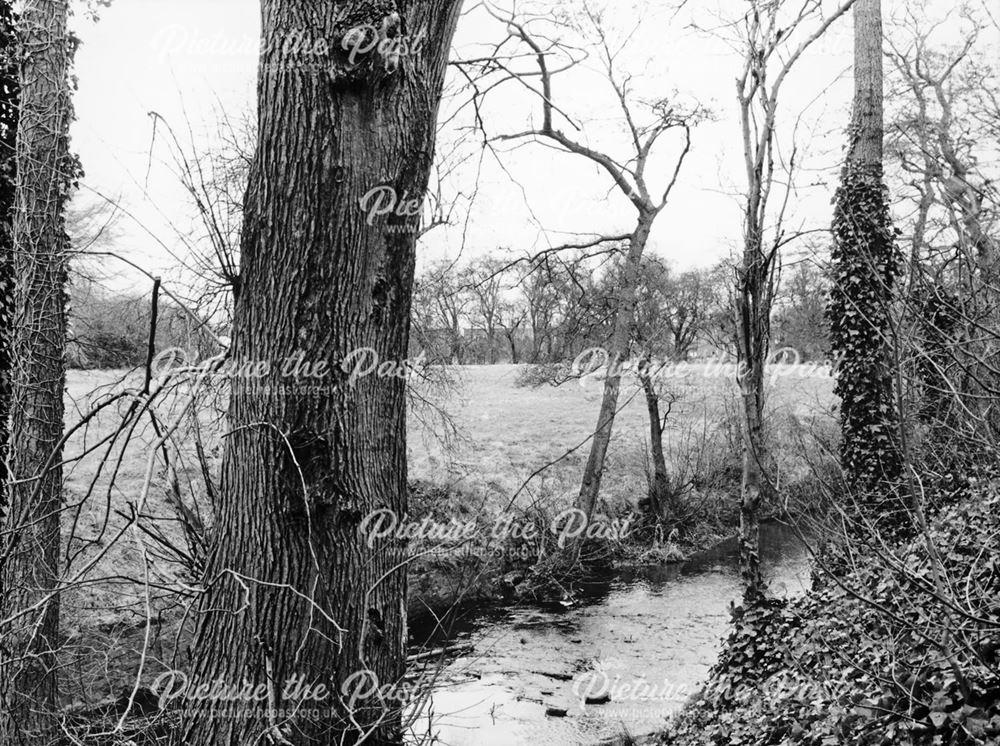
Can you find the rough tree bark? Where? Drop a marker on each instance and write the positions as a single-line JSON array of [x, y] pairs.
[[9, 88], [29, 555], [867, 123], [293, 588], [865, 265]]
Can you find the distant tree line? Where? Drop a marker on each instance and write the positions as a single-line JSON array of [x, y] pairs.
[[110, 330], [549, 309], [493, 310]]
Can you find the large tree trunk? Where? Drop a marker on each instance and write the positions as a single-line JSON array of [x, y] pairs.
[[865, 268], [621, 337], [30, 566], [294, 589]]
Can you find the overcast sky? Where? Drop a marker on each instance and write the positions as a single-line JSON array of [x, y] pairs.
[[189, 60]]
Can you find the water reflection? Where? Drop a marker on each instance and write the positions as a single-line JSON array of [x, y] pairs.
[[647, 637]]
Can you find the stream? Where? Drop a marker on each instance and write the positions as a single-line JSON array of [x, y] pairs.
[[645, 638]]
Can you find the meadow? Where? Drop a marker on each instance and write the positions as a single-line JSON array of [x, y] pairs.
[[507, 432]]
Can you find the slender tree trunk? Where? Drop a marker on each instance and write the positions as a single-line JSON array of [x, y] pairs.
[[621, 337], [754, 301], [751, 483], [659, 491], [755, 291], [456, 343], [491, 341], [294, 588], [866, 265], [513, 349], [30, 565]]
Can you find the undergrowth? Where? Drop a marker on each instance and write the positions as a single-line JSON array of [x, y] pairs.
[[875, 656]]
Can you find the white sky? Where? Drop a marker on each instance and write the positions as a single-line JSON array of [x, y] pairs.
[[190, 59]]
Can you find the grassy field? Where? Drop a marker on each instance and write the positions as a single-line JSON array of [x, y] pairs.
[[507, 432], [504, 433]]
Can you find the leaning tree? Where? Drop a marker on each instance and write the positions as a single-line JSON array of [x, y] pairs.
[[647, 123]]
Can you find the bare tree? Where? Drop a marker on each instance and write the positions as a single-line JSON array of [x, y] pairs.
[[800, 313], [510, 318], [937, 134], [486, 282], [543, 301], [442, 301], [941, 108], [645, 127], [672, 311]]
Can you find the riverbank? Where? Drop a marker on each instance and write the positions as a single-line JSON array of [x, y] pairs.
[[470, 554], [501, 431], [884, 654]]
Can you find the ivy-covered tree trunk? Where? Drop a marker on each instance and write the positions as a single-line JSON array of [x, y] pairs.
[[294, 591], [865, 263], [30, 551], [9, 87]]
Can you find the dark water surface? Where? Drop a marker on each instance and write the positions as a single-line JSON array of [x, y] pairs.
[[647, 638]]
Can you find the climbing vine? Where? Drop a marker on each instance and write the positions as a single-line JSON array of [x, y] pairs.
[[866, 264], [8, 169]]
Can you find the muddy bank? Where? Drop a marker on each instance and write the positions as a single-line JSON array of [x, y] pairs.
[[508, 556], [448, 580]]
